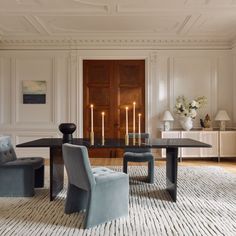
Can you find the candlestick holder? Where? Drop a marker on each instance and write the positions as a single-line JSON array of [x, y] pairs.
[[134, 139], [126, 139], [103, 140], [92, 138], [139, 139]]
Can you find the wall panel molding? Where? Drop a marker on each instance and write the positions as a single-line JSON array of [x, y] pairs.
[[50, 93]]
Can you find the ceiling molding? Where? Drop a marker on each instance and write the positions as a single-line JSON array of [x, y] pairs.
[[113, 43]]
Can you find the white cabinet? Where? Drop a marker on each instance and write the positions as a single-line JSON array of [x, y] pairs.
[[191, 152], [227, 140], [209, 137]]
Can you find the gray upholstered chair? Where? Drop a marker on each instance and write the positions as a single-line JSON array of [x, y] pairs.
[[102, 192], [18, 176], [139, 155]]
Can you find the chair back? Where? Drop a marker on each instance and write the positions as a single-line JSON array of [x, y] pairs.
[[7, 152], [138, 150], [78, 166]]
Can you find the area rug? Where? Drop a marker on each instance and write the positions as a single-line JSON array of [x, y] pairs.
[[206, 205]]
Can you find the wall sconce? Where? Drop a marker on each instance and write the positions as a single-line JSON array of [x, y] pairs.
[[222, 116], [167, 117]]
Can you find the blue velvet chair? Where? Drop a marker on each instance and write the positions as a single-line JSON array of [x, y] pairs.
[[18, 176], [102, 192], [139, 155]]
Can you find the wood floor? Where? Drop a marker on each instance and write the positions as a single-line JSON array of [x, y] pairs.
[[229, 164]]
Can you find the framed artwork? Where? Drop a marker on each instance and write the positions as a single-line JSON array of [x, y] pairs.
[[34, 91]]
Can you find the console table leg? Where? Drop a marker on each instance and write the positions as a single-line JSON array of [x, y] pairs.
[[171, 172], [56, 172]]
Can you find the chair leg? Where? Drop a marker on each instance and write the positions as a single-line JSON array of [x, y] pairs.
[[39, 177], [125, 166], [151, 171], [76, 199]]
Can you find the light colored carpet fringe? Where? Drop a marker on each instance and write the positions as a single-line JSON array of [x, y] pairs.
[[206, 206]]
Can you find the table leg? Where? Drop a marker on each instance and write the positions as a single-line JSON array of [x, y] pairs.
[[56, 172], [171, 172]]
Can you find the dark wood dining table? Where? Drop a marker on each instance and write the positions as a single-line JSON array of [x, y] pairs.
[[56, 166]]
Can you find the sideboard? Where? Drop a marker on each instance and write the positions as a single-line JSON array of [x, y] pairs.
[[223, 143]]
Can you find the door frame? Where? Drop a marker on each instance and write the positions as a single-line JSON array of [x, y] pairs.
[[81, 58]]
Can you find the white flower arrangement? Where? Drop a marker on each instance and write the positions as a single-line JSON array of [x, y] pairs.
[[186, 108]]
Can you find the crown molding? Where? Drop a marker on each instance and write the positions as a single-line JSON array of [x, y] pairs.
[[114, 43]]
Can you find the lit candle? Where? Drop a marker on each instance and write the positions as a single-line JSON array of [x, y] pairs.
[[139, 123], [134, 103], [126, 120], [91, 106], [103, 114]]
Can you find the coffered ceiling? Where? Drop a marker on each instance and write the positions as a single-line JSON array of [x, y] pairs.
[[170, 20]]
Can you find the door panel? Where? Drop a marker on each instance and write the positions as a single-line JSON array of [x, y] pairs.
[[111, 85]]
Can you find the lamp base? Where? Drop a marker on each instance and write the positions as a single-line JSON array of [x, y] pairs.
[[166, 126], [222, 125]]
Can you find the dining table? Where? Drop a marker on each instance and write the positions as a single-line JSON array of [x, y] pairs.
[[56, 163]]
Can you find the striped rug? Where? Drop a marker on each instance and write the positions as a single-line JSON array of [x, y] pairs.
[[206, 206]]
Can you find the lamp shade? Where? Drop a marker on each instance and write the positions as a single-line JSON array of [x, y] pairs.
[[222, 115], [167, 116]]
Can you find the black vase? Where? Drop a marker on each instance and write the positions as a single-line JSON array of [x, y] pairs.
[[67, 129]]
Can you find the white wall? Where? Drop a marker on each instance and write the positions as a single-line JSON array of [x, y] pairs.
[[169, 73]]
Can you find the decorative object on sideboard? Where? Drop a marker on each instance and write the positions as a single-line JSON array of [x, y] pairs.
[[186, 122], [202, 123], [167, 117], [206, 123], [187, 110], [222, 116], [67, 129]]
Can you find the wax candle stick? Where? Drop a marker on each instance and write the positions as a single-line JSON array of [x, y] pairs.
[[134, 103], [139, 123], [126, 120], [91, 106], [103, 115]]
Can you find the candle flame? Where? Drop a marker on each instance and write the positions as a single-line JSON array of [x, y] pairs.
[[103, 113], [134, 103], [91, 105], [126, 108], [139, 114]]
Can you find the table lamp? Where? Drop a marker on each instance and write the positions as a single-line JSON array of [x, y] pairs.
[[222, 116], [167, 117]]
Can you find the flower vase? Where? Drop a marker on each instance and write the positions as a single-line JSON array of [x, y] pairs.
[[186, 123]]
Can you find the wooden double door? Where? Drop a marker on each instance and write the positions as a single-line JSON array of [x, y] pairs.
[[111, 86]]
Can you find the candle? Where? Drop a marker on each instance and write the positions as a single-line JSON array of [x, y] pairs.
[[91, 106], [126, 120], [103, 114], [134, 103], [139, 124]]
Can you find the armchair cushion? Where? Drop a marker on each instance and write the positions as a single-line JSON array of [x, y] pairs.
[[35, 162]]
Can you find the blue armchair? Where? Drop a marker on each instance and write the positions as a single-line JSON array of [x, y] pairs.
[[18, 176], [102, 192]]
